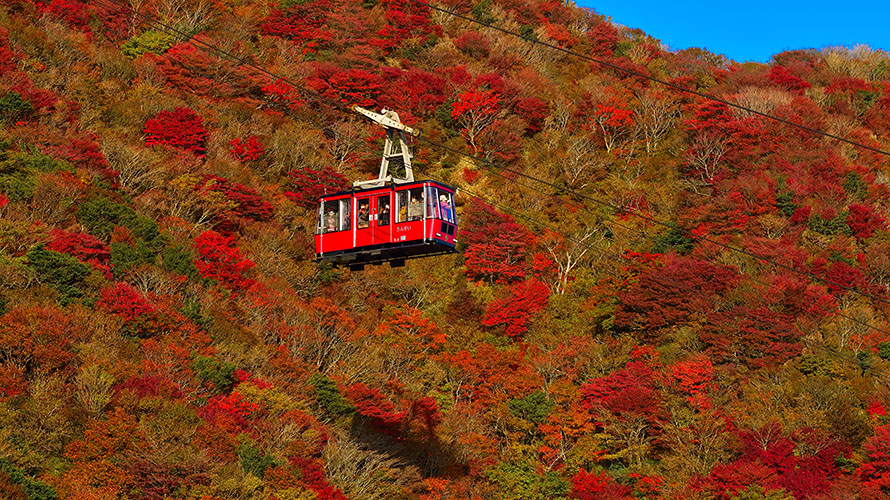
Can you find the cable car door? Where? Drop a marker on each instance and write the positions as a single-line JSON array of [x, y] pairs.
[[364, 230], [382, 218]]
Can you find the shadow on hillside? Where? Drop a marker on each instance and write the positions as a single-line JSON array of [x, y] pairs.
[[429, 455]]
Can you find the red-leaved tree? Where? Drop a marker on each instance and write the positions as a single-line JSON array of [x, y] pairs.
[[301, 22], [498, 246], [358, 87], [784, 78], [375, 406], [181, 129], [802, 463], [230, 412], [220, 259], [515, 311], [405, 20], [875, 470], [863, 221], [588, 486], [124, 301], [758, 337], [84, 246], [693, 376], [385, 416], [603, 39], [246, 149], [246, 202], [312, 474], [282, 95], [475, 111], [672, 293], [534, 111], [627, 392], [309, 185]]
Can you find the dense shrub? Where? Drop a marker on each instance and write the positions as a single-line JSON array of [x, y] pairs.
[[328, 396], [220, 373], [65, 273], [152, 41], [14, 108], [181, 129], [309, 185], [100, 216], [220, 259]]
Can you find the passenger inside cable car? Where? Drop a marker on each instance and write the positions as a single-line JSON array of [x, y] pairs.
[[383, 216]]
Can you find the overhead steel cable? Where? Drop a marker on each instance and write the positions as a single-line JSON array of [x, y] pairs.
[[488, 163], [637, 74]]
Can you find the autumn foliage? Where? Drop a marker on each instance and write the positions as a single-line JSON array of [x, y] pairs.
[[220, 259], [246, 149], [693, 306], [588, 486], [309, 185], [181, 129], [85, 247], [627, 392], [516, 310], [497, 245]]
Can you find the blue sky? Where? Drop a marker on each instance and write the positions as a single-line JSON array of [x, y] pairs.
[[753, 30]]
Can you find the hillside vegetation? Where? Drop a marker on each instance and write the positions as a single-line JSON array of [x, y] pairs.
[[693, 307]]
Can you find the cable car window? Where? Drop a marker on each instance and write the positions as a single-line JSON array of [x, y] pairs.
[[402, 206], [344, 215], [383, 210], [363, 214], [415, 204], [330, 216], [446, 206], [432, 205]]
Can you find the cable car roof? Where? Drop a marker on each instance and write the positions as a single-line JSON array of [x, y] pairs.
[[389, 187]]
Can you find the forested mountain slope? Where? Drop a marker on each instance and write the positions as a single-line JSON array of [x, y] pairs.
[[166, 333]]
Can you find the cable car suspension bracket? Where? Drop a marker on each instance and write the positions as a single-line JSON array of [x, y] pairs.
[[394, 151]]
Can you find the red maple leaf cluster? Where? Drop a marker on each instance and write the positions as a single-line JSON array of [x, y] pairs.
[[784, 78], [84, 246], [246, 149], [220, 259], [803, 463], [229, 411], [302, 22], [309, 185], [588, 486], [629, 391], [385, 416], [498, 246], [515, 311], [124, 301], [247, 202], [405, 20], [181, 129], [352, 87], [283, 95]]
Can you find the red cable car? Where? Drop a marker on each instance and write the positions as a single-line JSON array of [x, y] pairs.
[[388, 219]]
